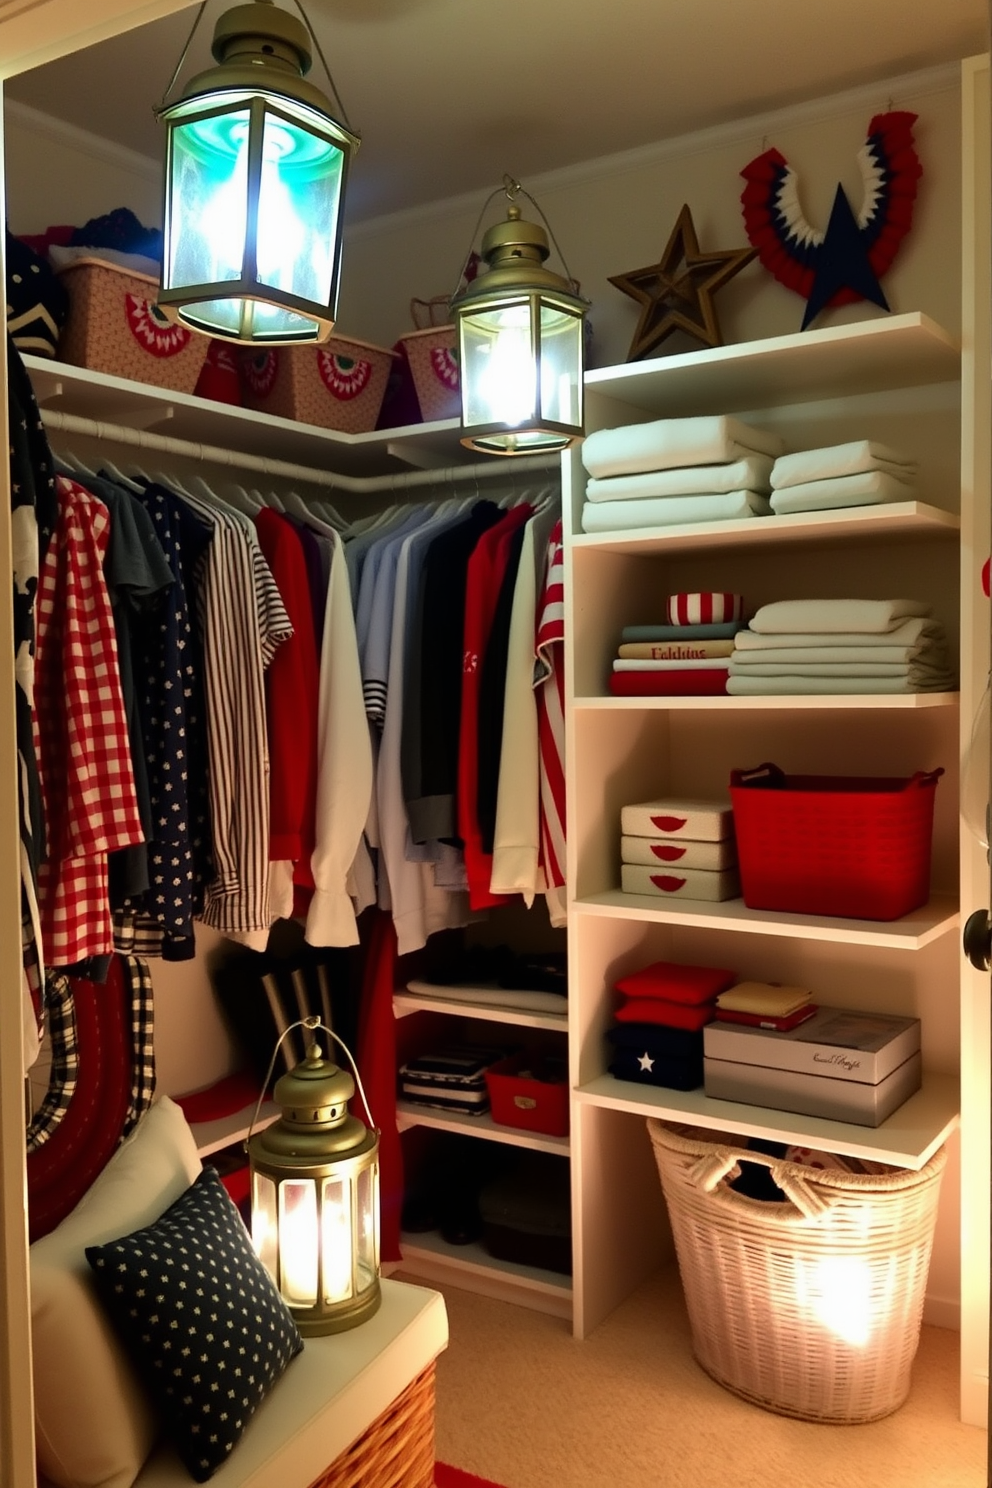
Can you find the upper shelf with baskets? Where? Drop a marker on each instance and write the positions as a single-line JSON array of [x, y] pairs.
[[137, 405]]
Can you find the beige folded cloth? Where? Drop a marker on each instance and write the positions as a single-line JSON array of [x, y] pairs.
[[841, 459], [671, 511], [746, 685], [904, 633], [663, 444], [874, 616], [763, 997], [808, 658], [867, 488], [747, 474]]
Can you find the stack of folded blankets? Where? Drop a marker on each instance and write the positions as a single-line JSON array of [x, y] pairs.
[[687, 657], [679, 849], [860, 473], [841, 646], [658, 1038], [706, 469], [765, 1005]]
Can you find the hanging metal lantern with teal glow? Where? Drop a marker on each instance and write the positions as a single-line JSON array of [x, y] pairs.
[[255, 176], [521, 335]]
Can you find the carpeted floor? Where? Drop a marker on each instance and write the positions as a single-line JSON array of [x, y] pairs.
[[523, 1403]]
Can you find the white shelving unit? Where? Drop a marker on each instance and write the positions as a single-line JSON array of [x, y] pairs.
[[895, 379]]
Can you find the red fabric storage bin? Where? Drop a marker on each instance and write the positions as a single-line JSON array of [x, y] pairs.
[[852, 846], [518, 1098]]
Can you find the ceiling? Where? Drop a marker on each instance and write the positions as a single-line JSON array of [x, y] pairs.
[[449, 94]]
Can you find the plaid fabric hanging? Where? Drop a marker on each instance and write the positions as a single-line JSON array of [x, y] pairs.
[[61, 1021], [138, 980]]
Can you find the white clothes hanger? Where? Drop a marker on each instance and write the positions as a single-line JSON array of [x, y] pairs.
[[76, 465], [112, 471]]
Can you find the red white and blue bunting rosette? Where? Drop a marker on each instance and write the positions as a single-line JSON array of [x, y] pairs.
[[152, 330], [343, 377], [845, 262]]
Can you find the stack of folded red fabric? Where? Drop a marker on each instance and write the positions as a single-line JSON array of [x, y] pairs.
[[689, 656], [658, 1038]]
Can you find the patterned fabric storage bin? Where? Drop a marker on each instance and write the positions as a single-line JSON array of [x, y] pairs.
[[810, 1307], [115, 326], [433, 357], [339, 385]]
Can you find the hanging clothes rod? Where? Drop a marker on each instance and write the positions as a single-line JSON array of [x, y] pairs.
[[73, 423]]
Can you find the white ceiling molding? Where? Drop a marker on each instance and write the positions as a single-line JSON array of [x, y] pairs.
[[70, 135], [872, 96]]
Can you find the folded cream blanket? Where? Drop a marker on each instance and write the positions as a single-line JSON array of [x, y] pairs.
[[748, 686], [804, 656], [841, 459], [701, 663], [866, 488], [797, 616], [911, 669], [668, 511], [665, 443], [747, 474], [904, 633]]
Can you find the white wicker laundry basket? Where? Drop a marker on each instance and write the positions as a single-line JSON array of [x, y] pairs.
[[810, 1307]]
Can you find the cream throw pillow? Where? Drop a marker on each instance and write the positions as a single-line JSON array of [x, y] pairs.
[[94, 1425]]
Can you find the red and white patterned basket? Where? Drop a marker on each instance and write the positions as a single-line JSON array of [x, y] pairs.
[[433, 357], [115, 326], [339, 385]]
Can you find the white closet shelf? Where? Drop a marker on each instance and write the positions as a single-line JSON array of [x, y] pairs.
[[118, 400], [405, 1003], [409, 1113], [881, 523], [910, 933], [910, 1136], [793, 703], [432, 1258], [900, 351]]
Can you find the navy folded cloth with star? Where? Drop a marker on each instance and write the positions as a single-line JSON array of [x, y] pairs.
[[651, 1054]]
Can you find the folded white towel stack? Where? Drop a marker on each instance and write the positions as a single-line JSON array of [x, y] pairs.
[[860, 473], [841, 646], [673, 471]]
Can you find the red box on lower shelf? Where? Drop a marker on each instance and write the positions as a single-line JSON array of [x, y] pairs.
[[530, 1093]]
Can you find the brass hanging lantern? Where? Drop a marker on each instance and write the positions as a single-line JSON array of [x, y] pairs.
[[255, 175]]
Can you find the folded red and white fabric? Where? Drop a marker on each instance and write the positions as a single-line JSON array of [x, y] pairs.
[[750, 473], [673, 511], [664, 444], [705, 607], [852, 458]]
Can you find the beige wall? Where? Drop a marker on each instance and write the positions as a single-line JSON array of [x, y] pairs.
[[616, 215]]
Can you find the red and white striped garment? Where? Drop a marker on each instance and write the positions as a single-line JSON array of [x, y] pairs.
[[704, 609], [549, 680], [80, 735]]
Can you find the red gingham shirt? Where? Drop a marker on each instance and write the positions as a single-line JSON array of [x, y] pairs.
[[80, 735]]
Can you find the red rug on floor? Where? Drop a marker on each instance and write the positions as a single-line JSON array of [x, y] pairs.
[[454, 1477]]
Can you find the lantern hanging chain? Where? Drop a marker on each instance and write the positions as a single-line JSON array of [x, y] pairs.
[[320, 53], [551, 234], [311, 1024], [511, 189], [184, 54]]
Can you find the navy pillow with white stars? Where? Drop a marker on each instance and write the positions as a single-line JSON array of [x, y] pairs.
[[201, 1317]]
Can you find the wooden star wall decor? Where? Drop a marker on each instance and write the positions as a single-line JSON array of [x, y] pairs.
[[676, 294]]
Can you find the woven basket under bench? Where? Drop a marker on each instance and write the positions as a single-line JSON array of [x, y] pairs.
[[809, 1307], [397, 1450]]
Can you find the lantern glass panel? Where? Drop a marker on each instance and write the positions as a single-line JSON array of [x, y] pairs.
[[208, 199], [265, 1223], [298, 1234], [561, 365], [367, 1204], [336, 1239], [499, 380], [298, 207]]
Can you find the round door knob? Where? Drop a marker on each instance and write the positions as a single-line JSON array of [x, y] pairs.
[[977, 939]]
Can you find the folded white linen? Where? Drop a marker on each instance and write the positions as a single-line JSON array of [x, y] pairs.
[[841, 459], [669, 511], [866, 488], [539, 1002], [804, 656], [784, 686], [662, 444], [786, 616], [909, 669], [704, 663], [747, 474], [905, 633]]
